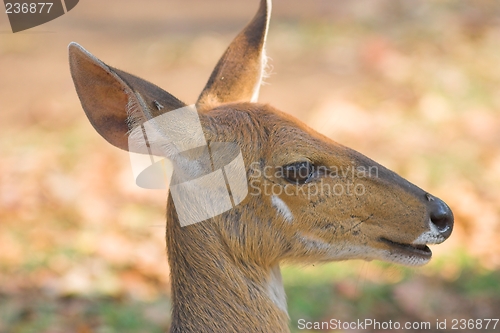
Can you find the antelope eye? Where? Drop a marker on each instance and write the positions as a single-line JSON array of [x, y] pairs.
[[298, 173]]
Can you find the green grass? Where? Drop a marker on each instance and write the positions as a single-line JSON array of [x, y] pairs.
[[344, 291]]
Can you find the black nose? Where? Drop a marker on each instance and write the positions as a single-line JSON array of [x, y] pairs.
[[441, 215]]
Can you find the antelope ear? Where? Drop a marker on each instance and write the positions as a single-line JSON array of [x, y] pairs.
[[238, 74], [115, 102]]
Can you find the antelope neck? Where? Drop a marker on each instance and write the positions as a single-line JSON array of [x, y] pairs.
[[212, 292]]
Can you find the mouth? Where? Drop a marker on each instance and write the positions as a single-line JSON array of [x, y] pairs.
[[421, 251]]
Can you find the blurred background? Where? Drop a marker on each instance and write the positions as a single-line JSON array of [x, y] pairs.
[[415, 85]]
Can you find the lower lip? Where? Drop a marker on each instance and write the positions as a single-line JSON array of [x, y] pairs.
[[422, 251]]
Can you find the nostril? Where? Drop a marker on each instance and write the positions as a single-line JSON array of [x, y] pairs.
[[442, 222], [441, 215]]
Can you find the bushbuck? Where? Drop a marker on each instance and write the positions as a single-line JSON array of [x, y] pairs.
[[225, 270]]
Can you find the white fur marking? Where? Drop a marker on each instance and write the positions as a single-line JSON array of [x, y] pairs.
[[346, 251], [264, 60], [282, 208], [276, 291], [158, 105], [429, 237], [262, 75]]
